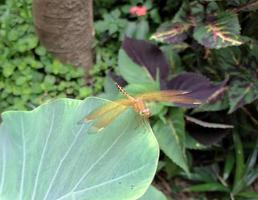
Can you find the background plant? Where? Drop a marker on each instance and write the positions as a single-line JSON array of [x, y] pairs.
[[29, 75], [204, 37]]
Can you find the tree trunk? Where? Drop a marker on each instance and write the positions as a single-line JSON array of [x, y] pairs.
[[65, 28]]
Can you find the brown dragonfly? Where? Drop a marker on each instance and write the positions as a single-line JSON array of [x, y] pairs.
[[105, 114]]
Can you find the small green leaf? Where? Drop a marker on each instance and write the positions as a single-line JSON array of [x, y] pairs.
[[242, 92], [191, 143], [171, 138], [41, 51], [207, 187], [229, 164], [20, 80], [130, 29], [142, 29], [50, 79], [8, 69], [239, 154], [250, 195], [84, 92]]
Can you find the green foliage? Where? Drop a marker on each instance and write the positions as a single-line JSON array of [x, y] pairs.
[[28, 74], [112, 24], [171, 138], [48, 145]]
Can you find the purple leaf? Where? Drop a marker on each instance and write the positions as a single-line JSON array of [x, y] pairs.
[[208, 136], [147, 55], [205, 132], [117, 78], [208, 124], [200, 87]]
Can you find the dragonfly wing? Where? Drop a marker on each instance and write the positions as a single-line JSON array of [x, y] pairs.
[[106, 108], [172, 96], [108, 117], [105, 114]]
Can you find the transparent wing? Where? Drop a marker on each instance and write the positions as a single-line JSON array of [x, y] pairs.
[[172, 96], [105, 114]]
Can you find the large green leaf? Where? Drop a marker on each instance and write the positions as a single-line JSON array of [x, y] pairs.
[[220, 31], [153, 194], [132, 72], [171, 138], [46, 154]]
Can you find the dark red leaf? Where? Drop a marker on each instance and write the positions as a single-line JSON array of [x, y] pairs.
[[147, 55], [207, 136], [116, 78], [205, 132], [200, 87]]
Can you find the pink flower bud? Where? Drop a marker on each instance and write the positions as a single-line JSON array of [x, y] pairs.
[[138, 10]]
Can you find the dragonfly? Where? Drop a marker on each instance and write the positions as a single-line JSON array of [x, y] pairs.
[[105, 114]]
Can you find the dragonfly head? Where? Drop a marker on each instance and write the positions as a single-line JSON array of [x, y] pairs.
[[140, 107], [145, 112]]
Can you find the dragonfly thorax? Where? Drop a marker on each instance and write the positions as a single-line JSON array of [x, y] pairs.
[[140, 107]]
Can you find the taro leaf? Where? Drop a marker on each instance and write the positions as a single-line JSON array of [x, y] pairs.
[[172, 33], [47, 154], [241, 93], [147, 55], [219, 31], [171, 138], [153, 194], [199, 86]]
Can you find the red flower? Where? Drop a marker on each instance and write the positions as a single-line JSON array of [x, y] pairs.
[[138, 10]]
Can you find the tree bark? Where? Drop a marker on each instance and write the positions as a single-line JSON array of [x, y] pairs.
[[65, 28]]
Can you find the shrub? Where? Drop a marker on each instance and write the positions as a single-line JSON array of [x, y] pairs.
[[28, 74]]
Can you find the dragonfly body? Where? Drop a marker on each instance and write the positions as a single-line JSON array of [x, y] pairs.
[[105, 114], [137, 104], [140, 107]]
